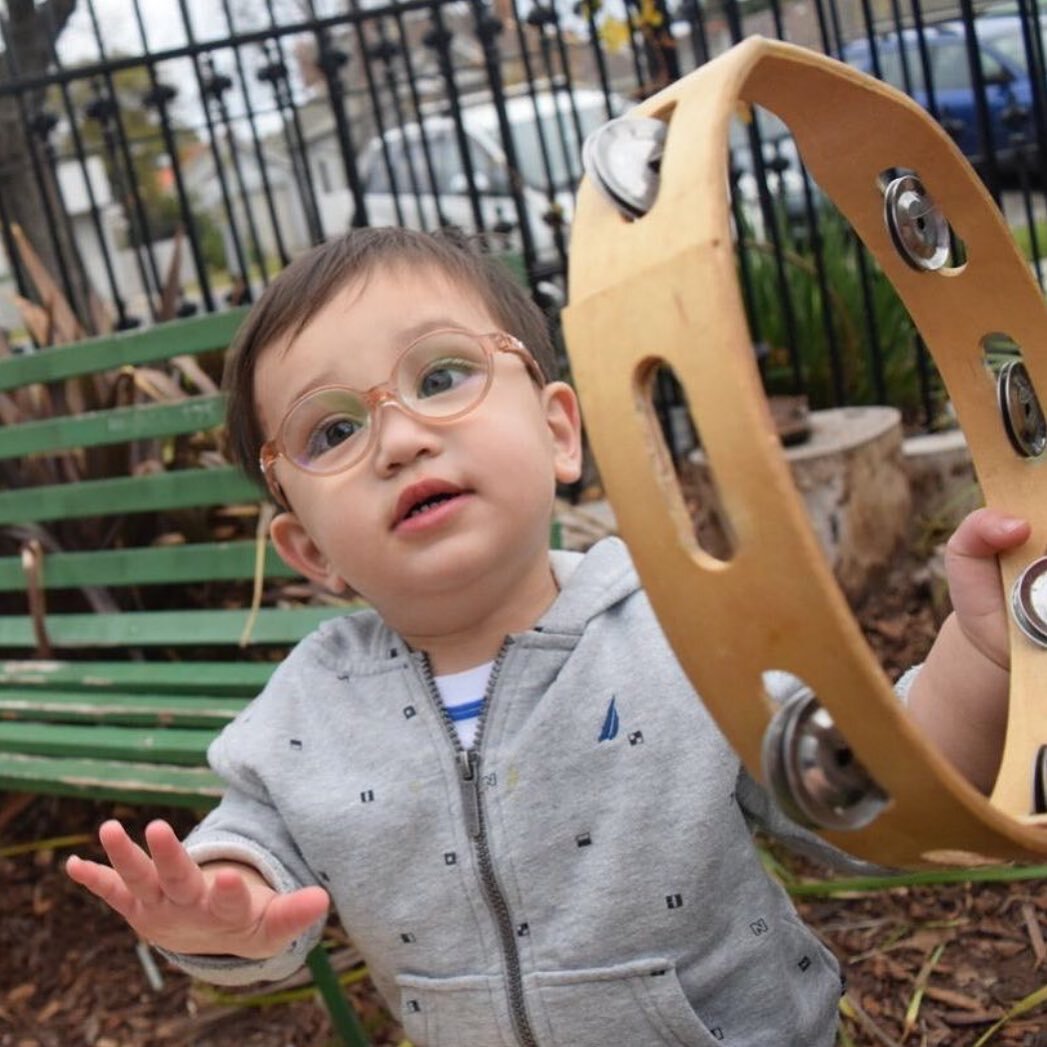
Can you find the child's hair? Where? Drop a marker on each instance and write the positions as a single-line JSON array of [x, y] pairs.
[[291, 301]]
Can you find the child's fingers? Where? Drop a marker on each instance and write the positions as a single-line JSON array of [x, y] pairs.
[[986, 532], [103, 882], [287, 915], [230, 900], [133, 865], [178, 875]]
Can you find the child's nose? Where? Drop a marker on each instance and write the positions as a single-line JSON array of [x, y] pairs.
[[400, 437]]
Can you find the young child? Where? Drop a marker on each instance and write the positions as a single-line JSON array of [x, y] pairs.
[[530, 827]]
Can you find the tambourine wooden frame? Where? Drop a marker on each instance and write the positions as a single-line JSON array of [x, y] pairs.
[[664, 289]]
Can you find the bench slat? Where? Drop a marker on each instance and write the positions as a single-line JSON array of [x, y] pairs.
[[183, 338], [206, 561], [222, 678], [168, 628], [195, 787], [159, 745], [181, 489], [121, 424], [118, 708]]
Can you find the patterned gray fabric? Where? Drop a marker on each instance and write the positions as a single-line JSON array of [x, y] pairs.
[[598, 884]]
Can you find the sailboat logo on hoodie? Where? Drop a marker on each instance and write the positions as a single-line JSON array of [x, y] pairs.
[[609, 731]]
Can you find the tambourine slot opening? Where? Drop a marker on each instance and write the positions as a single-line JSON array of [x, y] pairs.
[[772, 197], [689, 487]]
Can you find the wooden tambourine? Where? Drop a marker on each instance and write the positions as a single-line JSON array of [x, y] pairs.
[[653, 281]]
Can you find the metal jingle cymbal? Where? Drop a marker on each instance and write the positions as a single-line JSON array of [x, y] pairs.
[[917, 227], [1023, 418], [812, 772], [622, 159]]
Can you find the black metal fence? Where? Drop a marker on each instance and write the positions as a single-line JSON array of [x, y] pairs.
[[182, 168]]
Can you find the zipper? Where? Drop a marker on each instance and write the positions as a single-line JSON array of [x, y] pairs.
[[468, 761]]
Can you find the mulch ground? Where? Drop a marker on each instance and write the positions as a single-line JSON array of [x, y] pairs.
[[925, 965]]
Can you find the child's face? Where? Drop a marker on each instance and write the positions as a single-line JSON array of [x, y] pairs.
[[499, 463]]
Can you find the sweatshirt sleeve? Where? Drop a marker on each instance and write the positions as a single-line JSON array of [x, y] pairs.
[[761, 812], [247, 828]]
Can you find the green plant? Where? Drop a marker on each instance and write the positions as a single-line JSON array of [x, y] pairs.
[[1023, 238], [852, 297]]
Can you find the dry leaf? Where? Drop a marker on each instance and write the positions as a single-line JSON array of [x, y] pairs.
[[21, 993], [66, 326], [48, 1011], [1035, 934]]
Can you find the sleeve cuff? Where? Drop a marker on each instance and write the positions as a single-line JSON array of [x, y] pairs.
[[904, 683], [230, 847], [236, 970]]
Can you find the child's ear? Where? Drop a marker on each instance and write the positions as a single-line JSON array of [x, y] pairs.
[[300, 552], [564, 418]]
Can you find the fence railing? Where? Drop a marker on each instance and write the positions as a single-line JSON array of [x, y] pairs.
[[181, 169]]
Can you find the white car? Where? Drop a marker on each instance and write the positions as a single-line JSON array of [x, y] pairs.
[[415, 176]]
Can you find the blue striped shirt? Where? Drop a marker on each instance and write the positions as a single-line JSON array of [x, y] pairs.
[[463, 697]]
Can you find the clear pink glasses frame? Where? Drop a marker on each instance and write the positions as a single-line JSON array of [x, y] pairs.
[[387, 393]]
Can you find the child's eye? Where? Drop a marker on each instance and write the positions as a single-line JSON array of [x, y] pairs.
[[329, 434], [441, 376]]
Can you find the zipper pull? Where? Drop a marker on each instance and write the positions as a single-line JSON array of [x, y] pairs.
[[468, 761]]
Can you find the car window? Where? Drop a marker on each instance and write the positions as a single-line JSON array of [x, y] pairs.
[[560, 137], [1013, 49], [992, 67], [488, 171], [1011, 46], [444, 159], [395, 173], [893, 72], [388, 167], [560, 164], [949, 69]]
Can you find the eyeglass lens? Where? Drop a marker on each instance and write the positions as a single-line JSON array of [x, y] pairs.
[[440, 376]]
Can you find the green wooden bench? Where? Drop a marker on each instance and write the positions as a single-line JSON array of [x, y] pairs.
[[123, 620]]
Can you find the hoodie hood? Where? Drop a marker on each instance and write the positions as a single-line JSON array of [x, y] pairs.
[[589, 583]]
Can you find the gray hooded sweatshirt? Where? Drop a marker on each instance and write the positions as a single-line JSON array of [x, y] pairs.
[[585, 876]]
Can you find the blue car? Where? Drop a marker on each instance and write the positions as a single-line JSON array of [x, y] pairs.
[[951, 97]]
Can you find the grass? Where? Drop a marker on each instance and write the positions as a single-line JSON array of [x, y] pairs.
[[1023, 238]]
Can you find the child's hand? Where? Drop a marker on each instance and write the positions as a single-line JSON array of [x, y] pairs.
[[170, 901], [974, 578]]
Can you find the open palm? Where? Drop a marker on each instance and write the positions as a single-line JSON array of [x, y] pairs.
[[170, 901]]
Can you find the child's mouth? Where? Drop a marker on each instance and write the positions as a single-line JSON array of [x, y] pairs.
[[424, 500], [428, 505]]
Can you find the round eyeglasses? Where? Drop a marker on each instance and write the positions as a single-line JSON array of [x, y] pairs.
[[439, 377]]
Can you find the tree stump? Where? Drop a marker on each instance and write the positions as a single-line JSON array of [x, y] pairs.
[[851, 477]]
